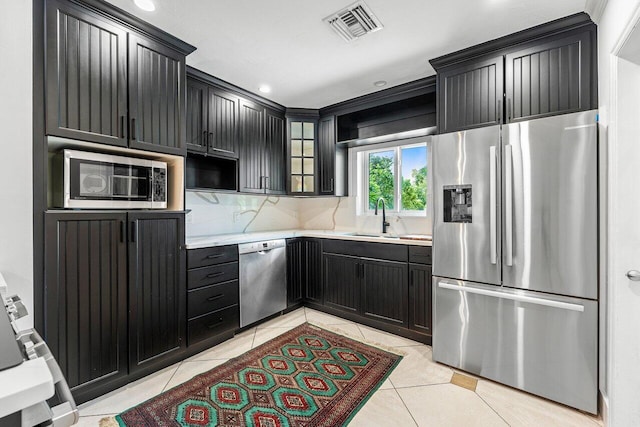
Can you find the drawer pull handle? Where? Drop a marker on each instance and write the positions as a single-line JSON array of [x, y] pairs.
[[216, 324], [212, 275], [214, 256], [215, 297]]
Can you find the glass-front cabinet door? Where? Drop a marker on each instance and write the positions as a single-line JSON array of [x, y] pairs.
[[302, 156]]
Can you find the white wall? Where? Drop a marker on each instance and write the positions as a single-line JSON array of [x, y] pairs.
[[611, 25], [16, 211]]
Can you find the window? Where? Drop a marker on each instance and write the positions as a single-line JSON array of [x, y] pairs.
[[398, 174], [302, 157]]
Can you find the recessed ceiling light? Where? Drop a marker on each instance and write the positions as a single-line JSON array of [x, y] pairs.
[[146, 5], [380, 83], [264, 89]]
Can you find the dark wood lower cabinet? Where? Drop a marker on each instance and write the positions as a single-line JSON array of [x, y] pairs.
[[295, 271], [342, 282], [313, 289], [103, 327], [384, 291], [420, 298], [388, 294], [157, 289], [85, 296]]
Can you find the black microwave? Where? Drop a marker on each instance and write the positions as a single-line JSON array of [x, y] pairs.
[[85, 180]]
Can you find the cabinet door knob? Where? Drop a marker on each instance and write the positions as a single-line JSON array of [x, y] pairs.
[[634, 275]]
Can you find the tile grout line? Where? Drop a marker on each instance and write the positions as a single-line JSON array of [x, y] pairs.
[[492, 408], [172, 375], [406, 407], [418, 386]]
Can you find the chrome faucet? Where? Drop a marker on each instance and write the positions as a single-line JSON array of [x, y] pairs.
[[385, 224]]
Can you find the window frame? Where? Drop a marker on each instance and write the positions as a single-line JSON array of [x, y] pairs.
[[360, 182]]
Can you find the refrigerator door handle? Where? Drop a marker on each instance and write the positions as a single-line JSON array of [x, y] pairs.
[[513, 297], [508, 189], [493, 232]]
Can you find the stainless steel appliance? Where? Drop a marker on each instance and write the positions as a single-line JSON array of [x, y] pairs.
[[263, 281], [515, 255], [102, 181], [29, 374]]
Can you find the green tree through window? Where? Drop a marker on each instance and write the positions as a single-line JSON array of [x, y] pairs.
[[412, 179]]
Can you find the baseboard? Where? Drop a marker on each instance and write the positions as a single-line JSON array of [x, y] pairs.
[[603, 406]]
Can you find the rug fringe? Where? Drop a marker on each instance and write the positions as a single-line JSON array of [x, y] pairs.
[[339, 331], [109, 422]]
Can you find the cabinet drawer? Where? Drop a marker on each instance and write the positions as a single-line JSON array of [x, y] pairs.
[[384, 251], [213, 324], [212, 298], [211, 256], [420, 254], [199, 277]]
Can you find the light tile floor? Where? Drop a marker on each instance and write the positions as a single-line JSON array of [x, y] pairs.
[[417, 393]]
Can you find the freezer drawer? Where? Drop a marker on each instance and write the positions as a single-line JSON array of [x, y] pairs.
[[540, 343]]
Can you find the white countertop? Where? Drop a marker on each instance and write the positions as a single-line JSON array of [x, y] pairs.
[[197, 242]]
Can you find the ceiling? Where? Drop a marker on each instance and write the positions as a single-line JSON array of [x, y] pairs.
[[286, 44]]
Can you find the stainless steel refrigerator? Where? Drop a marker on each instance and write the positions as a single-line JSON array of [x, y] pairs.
[[516, 255]]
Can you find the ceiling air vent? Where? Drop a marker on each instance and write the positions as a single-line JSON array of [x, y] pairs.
[[354, 21]]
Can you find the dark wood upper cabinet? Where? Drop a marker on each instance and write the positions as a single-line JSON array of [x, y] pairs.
[[251, 147], [109, 84], [541, 71], [157, 287], [85, 298], [470, 94], [157, 88], [552, 76], [327, 156], [223, 110], [197, 116], [86, 80], [274, 155]]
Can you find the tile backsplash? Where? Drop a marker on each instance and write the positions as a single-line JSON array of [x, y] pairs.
[[223, 213]]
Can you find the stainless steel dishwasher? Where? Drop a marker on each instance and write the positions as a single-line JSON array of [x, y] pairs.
[[263, 280]]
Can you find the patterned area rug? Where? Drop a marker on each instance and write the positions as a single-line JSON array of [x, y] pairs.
[[305, 377]]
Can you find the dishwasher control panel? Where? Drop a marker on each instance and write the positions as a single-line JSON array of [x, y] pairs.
[[266, 245]]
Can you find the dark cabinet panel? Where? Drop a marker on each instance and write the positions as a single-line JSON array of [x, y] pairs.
[[342, 275], [274, 168], [156, 97], [214, 324], [420, 298], [326, 155], [551, 77], [295, 270], [212, 298], [157, 293], [86, 296], [223, 122], [251, 147], [197, 116], [313, 290], [470, 95], [385, 291], [204, 276], [86, 89], [211, 256]]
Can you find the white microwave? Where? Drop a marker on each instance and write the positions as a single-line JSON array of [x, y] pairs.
[[85, 180]]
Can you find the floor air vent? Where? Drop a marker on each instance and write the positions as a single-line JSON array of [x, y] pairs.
[[354, 21]]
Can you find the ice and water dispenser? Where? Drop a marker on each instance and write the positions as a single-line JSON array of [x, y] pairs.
[[457, 203]]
